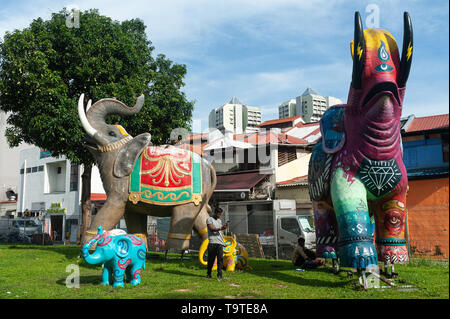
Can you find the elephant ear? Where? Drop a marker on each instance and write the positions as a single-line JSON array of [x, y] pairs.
[[127, 156], [123, 246], [332, 129], [319, 173]]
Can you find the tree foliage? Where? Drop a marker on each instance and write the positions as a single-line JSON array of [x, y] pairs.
[[46, 67]]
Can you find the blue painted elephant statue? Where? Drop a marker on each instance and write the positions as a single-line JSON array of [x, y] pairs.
[[121, 254]]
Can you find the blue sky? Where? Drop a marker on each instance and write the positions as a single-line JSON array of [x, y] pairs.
[[267, 52]]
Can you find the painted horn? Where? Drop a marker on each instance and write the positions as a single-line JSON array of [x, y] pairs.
[[358, 52], [201, 253], [82, 115], [104, 107], [407, 51]]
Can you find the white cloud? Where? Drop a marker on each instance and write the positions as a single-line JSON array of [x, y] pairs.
[[274, 49]]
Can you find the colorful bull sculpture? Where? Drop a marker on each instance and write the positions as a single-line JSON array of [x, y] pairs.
[[140, 179], [357, 179]]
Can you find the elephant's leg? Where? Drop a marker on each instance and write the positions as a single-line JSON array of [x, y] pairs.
[[137, 225], [181, 224], [118, 277], [230, 261], [390, 218], [356, 244], [107, 217], [134, 274], [106, 274], [200, 223], [326, 229]]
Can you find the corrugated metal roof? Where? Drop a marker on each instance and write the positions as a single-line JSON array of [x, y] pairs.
[[423, 172], [427, 123], [309, 132], [238, 181], [296, 181]]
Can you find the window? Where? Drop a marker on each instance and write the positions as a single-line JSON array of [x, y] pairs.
[[286, 155], [290, 225], [74, 177], [444, 141], [55, 177]]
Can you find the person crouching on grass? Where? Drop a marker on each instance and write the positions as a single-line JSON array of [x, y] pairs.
[[304, 257], [216, 242]]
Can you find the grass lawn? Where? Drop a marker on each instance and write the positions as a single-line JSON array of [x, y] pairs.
[[30, 271]]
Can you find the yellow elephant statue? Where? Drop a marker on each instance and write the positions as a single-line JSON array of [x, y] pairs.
[[234, 254]]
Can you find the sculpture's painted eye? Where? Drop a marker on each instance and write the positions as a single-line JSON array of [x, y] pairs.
[[112, 134]]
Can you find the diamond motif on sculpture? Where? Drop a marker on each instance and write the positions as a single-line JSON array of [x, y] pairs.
[[380, 177]]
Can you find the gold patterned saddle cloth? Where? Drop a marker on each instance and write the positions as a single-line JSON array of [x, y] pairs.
[[166, 175]]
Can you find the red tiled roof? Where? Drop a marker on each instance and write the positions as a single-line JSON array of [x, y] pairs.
[[200, 136], [276, 121], [239, 137], [300, 124], [238, 181], [273, 138], [98, 196], [427, 123], [294, 181]]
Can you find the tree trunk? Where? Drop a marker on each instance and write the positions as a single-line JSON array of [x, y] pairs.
[[86, 201]]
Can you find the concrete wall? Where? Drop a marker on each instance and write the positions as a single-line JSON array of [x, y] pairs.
[[296, 168], [428, 216]]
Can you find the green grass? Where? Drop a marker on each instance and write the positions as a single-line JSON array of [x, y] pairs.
[[29, 271]]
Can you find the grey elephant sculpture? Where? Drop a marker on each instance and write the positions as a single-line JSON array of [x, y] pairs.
[[140, 179]]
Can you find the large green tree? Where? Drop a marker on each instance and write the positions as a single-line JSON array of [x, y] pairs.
[[45, 67]]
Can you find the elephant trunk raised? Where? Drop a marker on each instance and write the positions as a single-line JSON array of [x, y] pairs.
[[96, 257], [118, 155]]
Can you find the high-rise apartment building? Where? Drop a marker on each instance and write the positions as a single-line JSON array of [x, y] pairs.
[[236, 117], [310, 105], [287, 109]]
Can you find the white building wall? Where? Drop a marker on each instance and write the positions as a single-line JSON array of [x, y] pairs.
[[287, 109], [296, 168], [47, 186], [331, 100], [312, 106], [9, 161]]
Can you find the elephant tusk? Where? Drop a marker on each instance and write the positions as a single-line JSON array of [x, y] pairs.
[[82, 115], [88, 105]]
